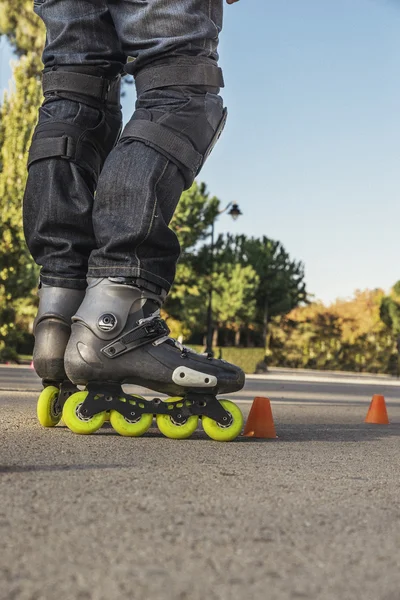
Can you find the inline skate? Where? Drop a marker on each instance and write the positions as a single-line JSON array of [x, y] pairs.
[[52, 328], [118, 337]]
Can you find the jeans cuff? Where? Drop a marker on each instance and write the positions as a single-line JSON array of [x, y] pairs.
[[64, 282], [131, 272]]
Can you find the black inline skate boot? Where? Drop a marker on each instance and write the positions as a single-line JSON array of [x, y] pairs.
[[52, 328], [119, 338]]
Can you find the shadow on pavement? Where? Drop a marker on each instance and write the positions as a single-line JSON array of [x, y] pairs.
[[297, 432], [35, 468]]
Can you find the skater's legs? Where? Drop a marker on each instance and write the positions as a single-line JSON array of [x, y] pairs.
[[78, 125], [178, 116]]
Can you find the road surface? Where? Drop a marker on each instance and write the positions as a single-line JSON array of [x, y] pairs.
[[314, 514]]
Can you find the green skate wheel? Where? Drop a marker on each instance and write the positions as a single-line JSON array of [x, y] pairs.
[[173, 430], [47, 410], [135, 427], [220, 433], [75, 421]]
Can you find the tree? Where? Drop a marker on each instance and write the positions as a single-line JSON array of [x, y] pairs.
[[186, 304], [18, 114], [193, 217], [18, 274], [390, 316], [24, 30], [347, 335], [235, 302], [281, 284]]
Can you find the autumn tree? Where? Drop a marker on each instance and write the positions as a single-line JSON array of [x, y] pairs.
[[347, 335]]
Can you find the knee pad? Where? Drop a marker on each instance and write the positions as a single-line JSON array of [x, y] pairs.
[[187, 134], [60, 134]]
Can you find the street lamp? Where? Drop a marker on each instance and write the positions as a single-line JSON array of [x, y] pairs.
[[234, 212]]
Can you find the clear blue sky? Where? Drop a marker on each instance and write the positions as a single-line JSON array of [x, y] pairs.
[[311, 149]]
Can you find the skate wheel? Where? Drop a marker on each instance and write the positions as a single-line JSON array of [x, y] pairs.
[[77, 422], [48, 410], [220, 433], [134, 427], [176, 431]]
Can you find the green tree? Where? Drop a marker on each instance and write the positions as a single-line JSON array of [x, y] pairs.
[[24, 30], [235, 303], [193, 217], [390, 316], [281, 285], [186, 304], [390, 310], [18, 274]]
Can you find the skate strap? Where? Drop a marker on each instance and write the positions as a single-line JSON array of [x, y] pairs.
[[68, 141], [100, 88], [165, 76], [139, 336], [166, 141]]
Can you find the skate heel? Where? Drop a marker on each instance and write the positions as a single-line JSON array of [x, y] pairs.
[[52, 329], [51, 337]]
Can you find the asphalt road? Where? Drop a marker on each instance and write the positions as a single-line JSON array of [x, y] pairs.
[[314, 514]]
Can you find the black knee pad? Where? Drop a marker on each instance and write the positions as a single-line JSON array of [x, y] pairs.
[[179, 112], [79, 121]]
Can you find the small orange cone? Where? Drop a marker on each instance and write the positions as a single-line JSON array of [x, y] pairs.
[[260, 423], [31, 365], [377, 412]]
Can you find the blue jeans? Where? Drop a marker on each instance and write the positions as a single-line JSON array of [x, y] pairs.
[[104, 211]]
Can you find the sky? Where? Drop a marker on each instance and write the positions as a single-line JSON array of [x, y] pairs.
[[311, 148]]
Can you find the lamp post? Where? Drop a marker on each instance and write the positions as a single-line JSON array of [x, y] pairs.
[[234, 212]]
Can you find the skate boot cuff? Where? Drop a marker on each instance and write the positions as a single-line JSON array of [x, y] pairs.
[[158, 294]]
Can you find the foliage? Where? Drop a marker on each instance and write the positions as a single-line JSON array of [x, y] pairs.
[[234, 296], [24, 30], [348, 335], [193, 217], [252, 279], [186, 304], [18, 274], [280, 280], [390, 310]]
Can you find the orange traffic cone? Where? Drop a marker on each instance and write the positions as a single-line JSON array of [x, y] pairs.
[[260, 423], [377, 412], [31, 365]]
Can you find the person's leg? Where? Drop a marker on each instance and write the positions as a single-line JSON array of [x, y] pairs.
[[161, 150], [117, 333], [78, 125]]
